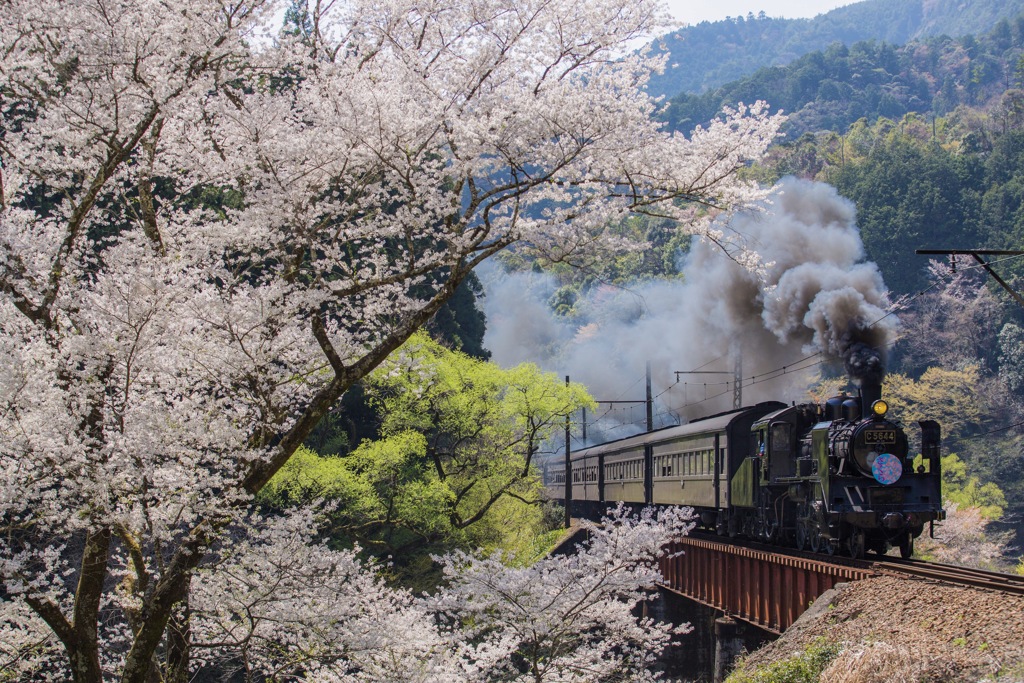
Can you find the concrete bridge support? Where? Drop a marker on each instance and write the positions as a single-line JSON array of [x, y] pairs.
[[728, 646], [694, 656]]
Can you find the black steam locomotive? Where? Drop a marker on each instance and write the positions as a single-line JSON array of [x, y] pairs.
[[831, 478]]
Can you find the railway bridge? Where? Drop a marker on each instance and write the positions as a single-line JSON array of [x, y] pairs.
[[726, 585], [764, 588], [767, 589]]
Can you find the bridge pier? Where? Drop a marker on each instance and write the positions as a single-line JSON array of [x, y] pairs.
[[728, 646], [693, 656]]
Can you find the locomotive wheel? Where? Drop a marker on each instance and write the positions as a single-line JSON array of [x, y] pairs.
[[828, 546], [801, 534], [816, 539], [750, 527], [855, 544], [907, 546]]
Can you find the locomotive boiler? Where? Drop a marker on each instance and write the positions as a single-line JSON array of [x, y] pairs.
[[832, 477]]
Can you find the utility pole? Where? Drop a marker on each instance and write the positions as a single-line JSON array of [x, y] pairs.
[[737, 375], [736, 372], [737, 380], [649, 401]]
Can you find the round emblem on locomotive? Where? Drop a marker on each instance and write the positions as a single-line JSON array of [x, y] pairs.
[[887, 469]]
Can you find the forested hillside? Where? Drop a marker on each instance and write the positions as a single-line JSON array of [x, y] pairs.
[[832, 88], [713, 53]]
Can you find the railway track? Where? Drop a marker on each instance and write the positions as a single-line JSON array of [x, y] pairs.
[[948, 573], [884, 564]]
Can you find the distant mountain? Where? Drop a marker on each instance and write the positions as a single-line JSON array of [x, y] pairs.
[[710, 54], [831, 89]]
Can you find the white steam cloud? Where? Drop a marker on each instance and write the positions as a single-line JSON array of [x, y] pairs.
[[815, 294]]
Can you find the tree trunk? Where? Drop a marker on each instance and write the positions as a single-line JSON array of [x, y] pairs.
[[179, 641], [82, 645]]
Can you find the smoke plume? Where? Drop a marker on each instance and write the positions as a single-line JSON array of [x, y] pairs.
[[814, 294]]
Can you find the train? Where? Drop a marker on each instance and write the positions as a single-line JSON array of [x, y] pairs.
[[836, 477]]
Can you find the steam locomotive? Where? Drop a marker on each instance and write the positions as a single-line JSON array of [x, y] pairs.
[[833, 478]]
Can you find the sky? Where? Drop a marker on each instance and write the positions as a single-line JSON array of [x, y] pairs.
[[696, 11]]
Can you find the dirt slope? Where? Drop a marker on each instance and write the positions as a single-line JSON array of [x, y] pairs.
[[910, 630]]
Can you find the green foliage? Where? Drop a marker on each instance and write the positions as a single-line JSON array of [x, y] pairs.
[[456, 462], [944, 395], [802, 667], [909, 195], [967, 490]]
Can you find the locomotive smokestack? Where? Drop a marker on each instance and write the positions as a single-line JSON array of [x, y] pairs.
[[870, 391], [866, 366]]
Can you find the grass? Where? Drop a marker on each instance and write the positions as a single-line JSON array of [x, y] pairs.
[[804, 667], [876, 662]]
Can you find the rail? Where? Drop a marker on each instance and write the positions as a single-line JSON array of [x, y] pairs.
[[948, 573]]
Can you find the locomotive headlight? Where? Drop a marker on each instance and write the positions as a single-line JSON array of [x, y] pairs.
[[880, 408]]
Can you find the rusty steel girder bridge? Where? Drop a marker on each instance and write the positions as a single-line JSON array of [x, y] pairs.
[[767, 589]]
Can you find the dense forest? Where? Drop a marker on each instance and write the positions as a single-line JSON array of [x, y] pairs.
[[832, 88], [713, 53]]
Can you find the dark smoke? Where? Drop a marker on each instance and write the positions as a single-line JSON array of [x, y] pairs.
[[864, 363], [813, 293]]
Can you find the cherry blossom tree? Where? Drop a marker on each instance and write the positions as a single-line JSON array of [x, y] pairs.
[[568, 618], [965, 539], [208, 233], [280, 604]]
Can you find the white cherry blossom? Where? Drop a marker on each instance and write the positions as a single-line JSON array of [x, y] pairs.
[[207, 235]]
